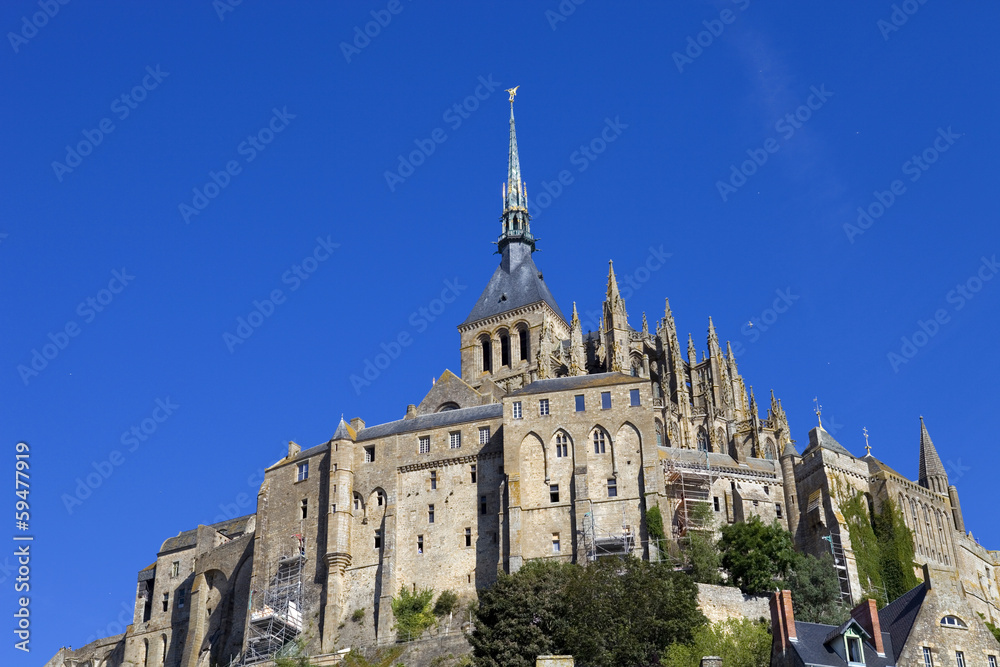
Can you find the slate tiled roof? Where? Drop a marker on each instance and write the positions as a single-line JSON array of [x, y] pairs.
[[426, 422], [519, 284], [187, 539], [818, 437], [813, 647], [898, 617], [575, 382]]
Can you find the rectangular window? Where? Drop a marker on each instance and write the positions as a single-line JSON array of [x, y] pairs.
[[581, 405], [425, 444], [472, 472], [484, 435], [605, 400], [370, 454], [928, 658], [633, 397], [599, 442], [181, 595], [166, 602], [420, 544], [554, 493], [304, 507], [378, 539], [175, 568], [334, 467], [483, 507], [303, 472], [517, 409], [455, 439], [959, 659], [434, 479], [715, 502], [992, 660], [543, 406], [430, 514], [854, 651], [555, 543], [468, 537], [777, 509], [612, 488], [333, 508]]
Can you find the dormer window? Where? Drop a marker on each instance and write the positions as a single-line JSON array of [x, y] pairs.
[[855, 654], [953, 622]]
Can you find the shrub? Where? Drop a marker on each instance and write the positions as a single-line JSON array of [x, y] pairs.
[[446, 603]]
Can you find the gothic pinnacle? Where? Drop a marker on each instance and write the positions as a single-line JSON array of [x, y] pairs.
[[612, 281]]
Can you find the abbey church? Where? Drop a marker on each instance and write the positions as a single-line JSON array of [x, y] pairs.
[[549, 442]]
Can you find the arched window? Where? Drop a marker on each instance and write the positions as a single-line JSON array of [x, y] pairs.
[[953, 622], [487, 351], [659, 433], [522, 336], [163, 654], [702, 440], [504, 348], [450, 405], [769, 449], [145, 652]]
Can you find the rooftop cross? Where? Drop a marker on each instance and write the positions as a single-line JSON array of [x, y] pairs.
[[818, 411]]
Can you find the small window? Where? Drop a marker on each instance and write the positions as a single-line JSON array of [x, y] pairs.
[[555, 543], [562, 447], [425, 444], [181, 596], [304, 508], [715, 502], [434, 479], [554, 493], [612, 487], [420, 544], [929, 659], [605, 400], [334, 467], [599, 444], [333, 508], [430, 514], [543, 407], [484, 435], [166, 602], [992, 660], [455, 439], [767, 490], [633, 397], [468, 537], [517, 409], [379, 498], [854, 653], [175, 568], [959, 659], [370, 454], [483, 506], [378, 539], [777, 510], [357, 504], [472, 472], [303, 472], [581, 405], [953, 622]]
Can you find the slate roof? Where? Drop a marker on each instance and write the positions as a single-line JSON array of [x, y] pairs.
[[344, 431], [426, 422], [812, 647], [930, 462], [897, 618], [576, 382], [818, 437], [517, 282], [188, 538]]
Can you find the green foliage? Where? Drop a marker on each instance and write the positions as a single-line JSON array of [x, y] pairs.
[[740, 642], [413, 612], [358, 615], [867, 552], [293, 655], [446, 603], [380, 658], [756, 554], [992, 628], [702, 552], [815, 589], [612, 612], [654, 524]]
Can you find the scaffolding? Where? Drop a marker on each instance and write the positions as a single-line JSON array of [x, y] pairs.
[[840, 565], [689, 486], [605, 543], [276, 617]]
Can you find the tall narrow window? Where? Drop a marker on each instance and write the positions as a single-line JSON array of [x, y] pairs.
[[555, 543], [633, 397], [777, 510], [425, 445], [554, 493], [379, 498], [854, 651], [430, 514], [605, 400], [181, 597], [543, 407], [659, 434], [483, 507], [166, 602], [472, 472], [929, 659], [522, 334], [468, 537], [420, 544], [434, 480], [517, 409], [487, 354], [612, 487], [715, 503], [484, 435], [562, 447], [378, 539], [599, 444], [504, 350], [455, 439], [959, 659], [304, 508], [303, 473]]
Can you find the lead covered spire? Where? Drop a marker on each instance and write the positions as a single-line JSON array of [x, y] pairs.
[[932, 472], [514, 219]]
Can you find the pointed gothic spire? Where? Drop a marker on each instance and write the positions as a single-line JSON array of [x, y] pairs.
[[612, 282], [645, 325], [692, 352], [731, 358], [575, 322], [515, 219], [932, 473], [713, 339]]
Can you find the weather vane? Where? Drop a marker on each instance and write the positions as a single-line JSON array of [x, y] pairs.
[[868, 447], [818, 411], [513, 92]]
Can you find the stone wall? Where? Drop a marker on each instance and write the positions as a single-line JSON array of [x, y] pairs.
[[719, 603]]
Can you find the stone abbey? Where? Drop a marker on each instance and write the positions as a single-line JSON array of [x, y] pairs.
[[550, 442]]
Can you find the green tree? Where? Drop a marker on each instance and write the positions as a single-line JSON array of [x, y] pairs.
[[755, 554], [702, 551], [413, 613], [446, 603], [740, 642], [815, 589]]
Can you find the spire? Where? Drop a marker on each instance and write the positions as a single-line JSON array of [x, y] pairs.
[[692, 353], [731, 358], [612, 282], [645, 325], [932, 473], [713, 339], [577, 352], [514, 220]]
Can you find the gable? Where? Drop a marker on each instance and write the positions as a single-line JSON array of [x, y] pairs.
[[449, 389]]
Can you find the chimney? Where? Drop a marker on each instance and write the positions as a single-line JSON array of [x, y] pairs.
[[411, 411], [358, 424], [782, 621], [866, 614], [927, 576], [293, 449]]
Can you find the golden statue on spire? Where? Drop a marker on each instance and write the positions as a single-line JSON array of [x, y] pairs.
[[513, 92]]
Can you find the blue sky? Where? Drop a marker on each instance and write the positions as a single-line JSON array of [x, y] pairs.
[[745, 138]]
